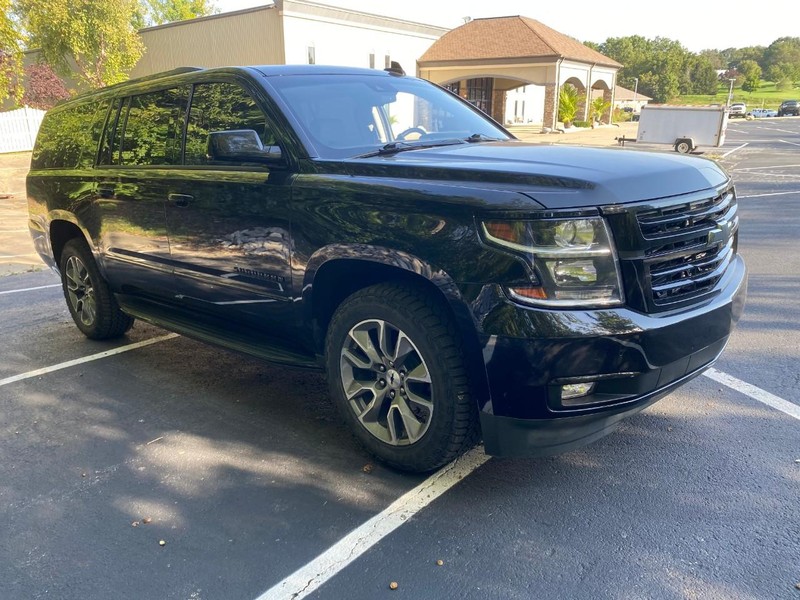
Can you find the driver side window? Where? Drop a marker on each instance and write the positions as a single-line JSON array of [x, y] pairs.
[[221, 107]]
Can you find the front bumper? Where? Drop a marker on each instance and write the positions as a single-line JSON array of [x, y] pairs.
[[632, 358]]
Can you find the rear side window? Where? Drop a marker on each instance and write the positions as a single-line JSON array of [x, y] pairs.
[[221, 107], [153, 127], [64, 137]]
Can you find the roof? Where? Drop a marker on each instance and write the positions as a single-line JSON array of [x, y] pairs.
[[622, 94], [510, 37]]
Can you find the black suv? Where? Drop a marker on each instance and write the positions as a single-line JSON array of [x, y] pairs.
[[454, 282], [789, 107]]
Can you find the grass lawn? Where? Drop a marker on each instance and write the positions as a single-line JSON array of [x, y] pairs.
[[765, 96]]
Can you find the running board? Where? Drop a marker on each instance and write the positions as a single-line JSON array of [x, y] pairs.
[[214, 331]]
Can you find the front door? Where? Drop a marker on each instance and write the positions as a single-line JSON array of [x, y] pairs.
[[228, 224]]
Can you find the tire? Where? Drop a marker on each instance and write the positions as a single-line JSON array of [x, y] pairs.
[[683, 147], [89, 299], [397, 376]]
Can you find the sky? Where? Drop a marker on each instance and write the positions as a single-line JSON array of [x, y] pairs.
[[697, 24]]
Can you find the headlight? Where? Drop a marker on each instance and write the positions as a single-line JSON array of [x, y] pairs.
[[574, 261]]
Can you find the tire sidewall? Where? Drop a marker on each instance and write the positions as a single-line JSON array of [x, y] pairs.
[[435, 442]]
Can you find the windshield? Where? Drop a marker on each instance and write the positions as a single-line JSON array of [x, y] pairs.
[[353, 115]]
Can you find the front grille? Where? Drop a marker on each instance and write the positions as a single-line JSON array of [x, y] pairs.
[[673, 253]]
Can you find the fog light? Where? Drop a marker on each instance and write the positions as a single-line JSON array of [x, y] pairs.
[[576, 390]]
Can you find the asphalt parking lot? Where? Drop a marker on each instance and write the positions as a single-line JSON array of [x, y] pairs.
[[243, 472]]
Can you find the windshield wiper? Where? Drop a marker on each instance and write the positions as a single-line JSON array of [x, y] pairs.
[[400, 146]]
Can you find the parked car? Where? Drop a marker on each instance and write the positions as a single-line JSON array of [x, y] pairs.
[[454, 282], [789, 107], [737, 109], [760, 113]]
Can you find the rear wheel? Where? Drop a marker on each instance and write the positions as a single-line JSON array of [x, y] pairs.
[[397, 376], [89, 299]]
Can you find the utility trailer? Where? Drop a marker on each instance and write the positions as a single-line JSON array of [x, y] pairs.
[[683, 127]]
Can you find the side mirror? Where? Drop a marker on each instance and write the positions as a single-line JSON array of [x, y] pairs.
[[241, 145]]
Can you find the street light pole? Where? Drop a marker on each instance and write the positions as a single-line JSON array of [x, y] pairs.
[[730, 92]]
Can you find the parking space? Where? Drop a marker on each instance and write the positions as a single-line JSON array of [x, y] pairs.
[[244, 473]]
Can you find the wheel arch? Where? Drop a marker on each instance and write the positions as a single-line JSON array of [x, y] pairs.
[[62, 228], [331, 280]]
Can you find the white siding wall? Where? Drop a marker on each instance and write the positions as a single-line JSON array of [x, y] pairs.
[[18, 129], [350, 44], [525, 105]]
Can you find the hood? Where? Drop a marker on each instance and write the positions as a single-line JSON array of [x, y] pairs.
[[554, 176]]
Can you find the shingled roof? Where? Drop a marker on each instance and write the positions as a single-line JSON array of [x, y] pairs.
[[509, 37]]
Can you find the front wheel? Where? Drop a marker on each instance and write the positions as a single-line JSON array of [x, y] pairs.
[[89, 299], [397, 375]]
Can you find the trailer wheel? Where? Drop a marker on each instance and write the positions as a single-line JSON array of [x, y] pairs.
[[683, 146]]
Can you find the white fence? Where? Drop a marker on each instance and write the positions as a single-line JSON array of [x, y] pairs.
[[18, 129]]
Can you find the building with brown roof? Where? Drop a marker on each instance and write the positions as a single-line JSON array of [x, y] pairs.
[[484, 59]]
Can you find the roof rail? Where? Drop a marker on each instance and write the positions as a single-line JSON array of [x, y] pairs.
[[154, 76]]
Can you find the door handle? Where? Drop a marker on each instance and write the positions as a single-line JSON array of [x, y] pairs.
[[181, 199]]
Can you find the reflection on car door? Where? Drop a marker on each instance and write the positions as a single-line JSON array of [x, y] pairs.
[[139, 159], [228, 223]]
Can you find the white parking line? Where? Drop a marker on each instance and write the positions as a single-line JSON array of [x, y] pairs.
[[18, 255], [792, 143], [309, 578], [85, 359], [30, 289], [789, 408], [734, 150], [770, 167], [769, 194]]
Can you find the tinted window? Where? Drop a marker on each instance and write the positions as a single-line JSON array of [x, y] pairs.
[[89, 153], [347, 115], [64, 136], [221, 107], [109, 154], [153, 128]]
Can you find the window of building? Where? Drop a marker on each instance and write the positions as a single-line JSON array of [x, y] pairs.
[[454, 87], [312, 55], [387, 61], [221, 107], [479, 92], [372, 60]]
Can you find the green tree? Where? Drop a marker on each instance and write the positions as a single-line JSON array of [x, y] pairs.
[[752, 75], [11, 41], [660, 65], [597, 109], [703, 75], [97, 36], [158, 12], [567, 104], [783, 53]]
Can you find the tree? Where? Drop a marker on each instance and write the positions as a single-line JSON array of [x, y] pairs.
[[598, 108], [783, 53], [11, 40], [660, 64], [97, 36], [703, 75], [752, 75], [158, 12], [43, 88], [567, 104]]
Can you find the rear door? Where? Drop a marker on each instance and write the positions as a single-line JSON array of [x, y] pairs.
[[139, 163]]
